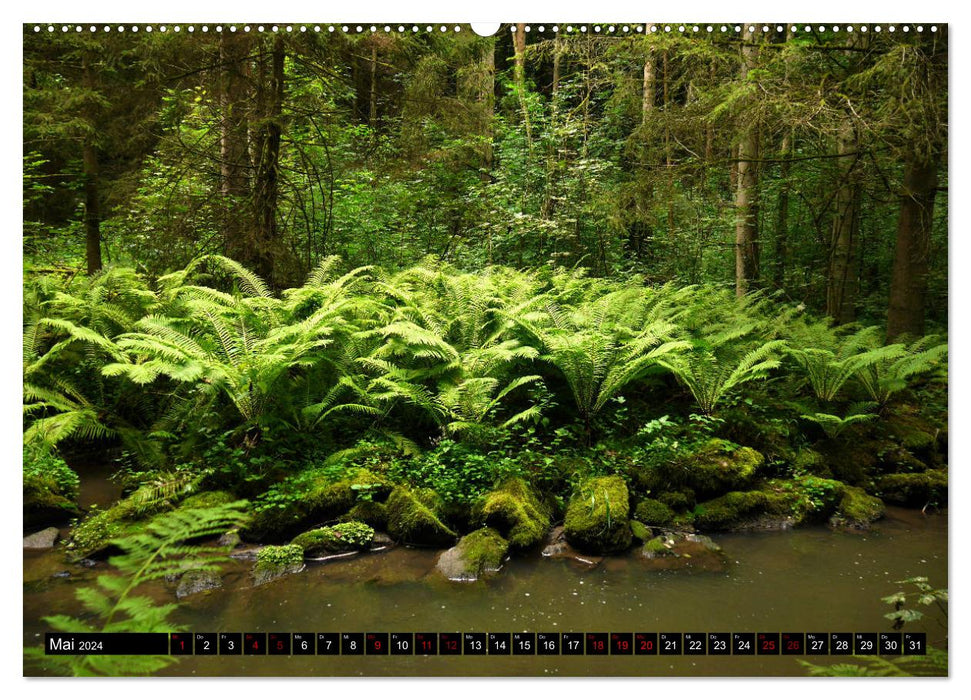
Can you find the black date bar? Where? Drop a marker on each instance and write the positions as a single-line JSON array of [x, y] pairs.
[[98, 643]]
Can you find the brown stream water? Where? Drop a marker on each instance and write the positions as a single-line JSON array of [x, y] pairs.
[[806, 580]]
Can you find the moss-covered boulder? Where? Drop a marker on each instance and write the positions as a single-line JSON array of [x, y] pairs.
[[678, 501], [653, 512], [905, 426], [477, 554], [342, 537], [308, 499], [779, 504], [369, 512], [719, 466], [516, 513], [857, 510], [641, 532], [731, 510], [598, 516], [413, 518], [92, 536], [273, 562], [208, 499], [45, 503], [50, 489], [915, 490], [196, 581], [674, 551], [851, 459]]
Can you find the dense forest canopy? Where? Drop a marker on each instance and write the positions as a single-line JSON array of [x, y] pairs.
[[798, 160]]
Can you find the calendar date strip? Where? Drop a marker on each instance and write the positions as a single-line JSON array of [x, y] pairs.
[[489, 643]]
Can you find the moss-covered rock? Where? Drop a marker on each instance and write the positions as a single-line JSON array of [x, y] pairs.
[[857, 510], [413, 518], [641, 532], [811, 462], [196, 581], [516, 513], [273, 562], [779, 504], [915, 490], [328, 501], [719, 466], [652, 512], [598, 516], [681, 500], [309, 500], [676, 551], [477, 554], [342, 537], [851, 459], [50, 489], [92, 536], [369, 512], [44, 502], [731, 510], [912, 431], [208, 499]]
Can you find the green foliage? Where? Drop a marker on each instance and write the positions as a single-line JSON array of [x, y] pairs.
[[934, 663], [342, 537], [922, 593], [49, 468], [158, 550]]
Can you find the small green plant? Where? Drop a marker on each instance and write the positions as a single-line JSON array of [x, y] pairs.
[[46, 466], [934, 663]]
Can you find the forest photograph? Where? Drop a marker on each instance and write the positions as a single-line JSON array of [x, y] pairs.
[[603, 327]]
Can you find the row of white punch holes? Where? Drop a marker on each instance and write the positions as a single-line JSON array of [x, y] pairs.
[[582, 28]]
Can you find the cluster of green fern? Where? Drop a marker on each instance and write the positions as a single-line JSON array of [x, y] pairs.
[[424, 353]]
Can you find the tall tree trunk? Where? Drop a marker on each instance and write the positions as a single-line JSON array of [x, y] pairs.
[[746, 195], [92, 208], [92, 192], [843, 279], [668, 160], [908, 285], [234, 158], [519, 71], [266, 181], [373, 97], [488, 95], [647, 88], [782, 215]]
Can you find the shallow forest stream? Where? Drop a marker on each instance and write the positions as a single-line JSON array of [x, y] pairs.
[[810, 579]]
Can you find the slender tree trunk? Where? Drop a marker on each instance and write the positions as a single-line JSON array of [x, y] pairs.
[[488, 94], [782, 215], [843, 280], [92, 209], [266, 185], [647, 89], [373, 97], [668, 160], [234, 157], [92, 191], [908, 285], [519, 44], [746, 196]]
